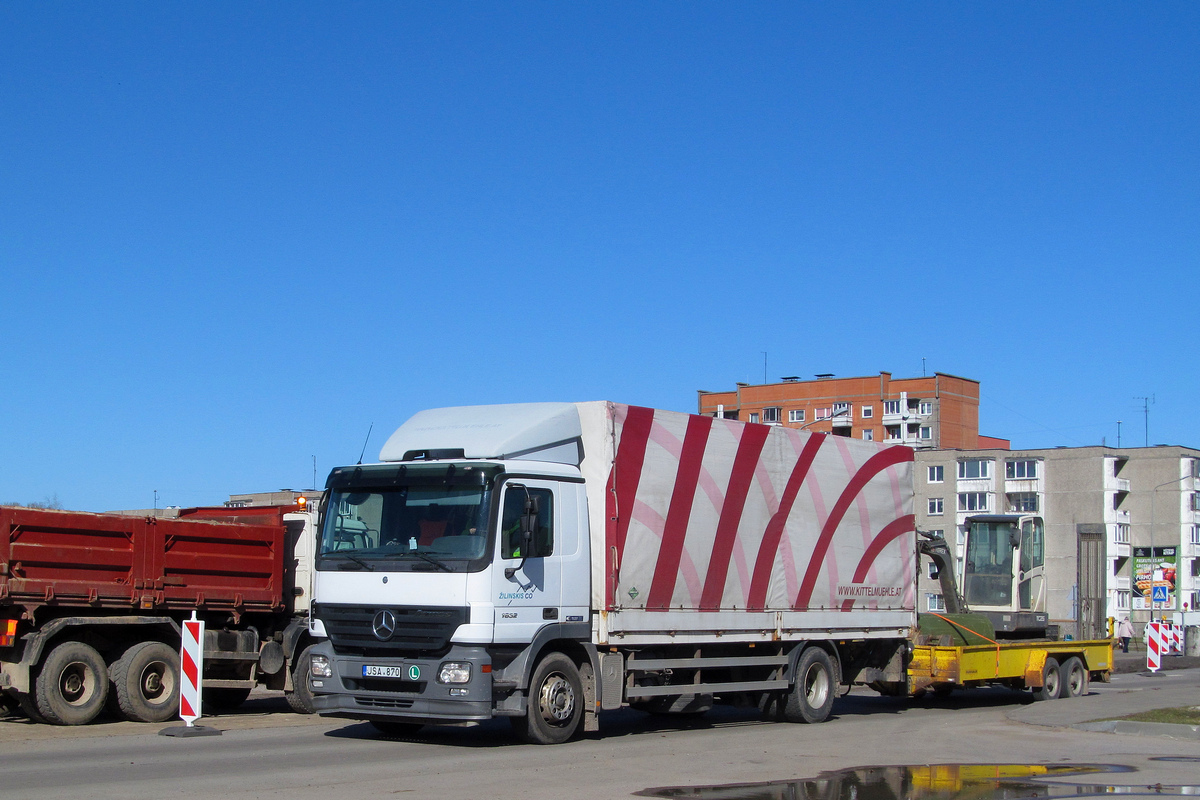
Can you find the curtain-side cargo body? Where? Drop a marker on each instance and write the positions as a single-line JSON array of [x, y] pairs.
[[546, 561]]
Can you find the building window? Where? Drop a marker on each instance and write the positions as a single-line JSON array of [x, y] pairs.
[[936, 507], [1195, 534], [867, 412], [772, 414], [1123, 599], [926, 432], [926, 408], [892, 433], [754, 416], [972, 501], [1023, 502], [1017, 470], [935, 602], [891, 406], [1123, 533], [796, 415], [933, 570], [937, 474], [841, 409], [1195, 501], [975, 468], [868, 435], [821, 413]]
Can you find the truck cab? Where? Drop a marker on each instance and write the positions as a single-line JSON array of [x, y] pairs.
[[440, 575]]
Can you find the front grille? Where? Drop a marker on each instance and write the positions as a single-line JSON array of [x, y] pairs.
[[384, 685], [382, 702], [424, 631]]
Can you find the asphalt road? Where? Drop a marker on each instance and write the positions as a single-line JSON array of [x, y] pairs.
[[265, 752]]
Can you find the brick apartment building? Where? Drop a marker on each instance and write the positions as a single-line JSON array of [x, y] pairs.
[[940, 411]]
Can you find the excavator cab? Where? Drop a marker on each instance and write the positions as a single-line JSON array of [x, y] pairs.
[[1004, 573]]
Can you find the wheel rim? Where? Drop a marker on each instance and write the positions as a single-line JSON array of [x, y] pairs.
[[556, 700], [156, 681], [76, 683], [1052, 683], [816, 686]]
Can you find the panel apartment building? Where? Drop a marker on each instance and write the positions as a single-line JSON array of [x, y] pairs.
[[1112, 518], [940, 411]]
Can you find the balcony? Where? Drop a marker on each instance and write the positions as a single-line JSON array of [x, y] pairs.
[[1116, 484]]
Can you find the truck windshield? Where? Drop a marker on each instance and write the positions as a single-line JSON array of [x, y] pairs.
[[408, 527]]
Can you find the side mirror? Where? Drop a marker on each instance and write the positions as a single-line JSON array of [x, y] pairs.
[[529, 525], [1014, 538]]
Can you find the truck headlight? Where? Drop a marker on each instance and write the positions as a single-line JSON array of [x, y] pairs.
[[321, 668], [455, 672]]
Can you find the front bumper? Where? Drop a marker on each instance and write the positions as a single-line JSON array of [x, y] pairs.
[[416, 697]]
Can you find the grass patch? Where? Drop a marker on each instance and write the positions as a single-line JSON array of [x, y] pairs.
[[1188, 715]]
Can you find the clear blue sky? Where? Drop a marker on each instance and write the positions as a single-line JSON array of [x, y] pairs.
[[235, 235]]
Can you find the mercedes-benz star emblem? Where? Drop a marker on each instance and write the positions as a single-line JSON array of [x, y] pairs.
[[384, 625]]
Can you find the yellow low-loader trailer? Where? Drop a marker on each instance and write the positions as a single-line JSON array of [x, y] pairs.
[[952, 656]]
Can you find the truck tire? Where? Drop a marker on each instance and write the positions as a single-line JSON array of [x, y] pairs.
[[555, 705], [146, 682], [72, 685], [300, 698], [811, 697], [1074, 678], [1051, 682]]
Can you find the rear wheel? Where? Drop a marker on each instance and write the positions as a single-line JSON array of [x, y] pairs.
[[72, 685], [555, 705], [146, 682], [1051, 682], [811, 696], [1074, 677]]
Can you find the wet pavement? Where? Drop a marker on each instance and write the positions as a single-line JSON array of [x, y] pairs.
[[936, 782]]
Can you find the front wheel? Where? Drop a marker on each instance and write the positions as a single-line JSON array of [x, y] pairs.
[[555, 706], [1051, 682], [811, 696], [300, 698], [72, 685]]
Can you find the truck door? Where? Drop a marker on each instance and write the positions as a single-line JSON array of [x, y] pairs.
[[1031, 590], [527, 581]]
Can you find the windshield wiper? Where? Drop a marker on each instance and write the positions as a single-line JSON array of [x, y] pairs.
[[355, 559], [430, 559]]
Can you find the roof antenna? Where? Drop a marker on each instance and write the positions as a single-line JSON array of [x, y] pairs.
[[364, 450]]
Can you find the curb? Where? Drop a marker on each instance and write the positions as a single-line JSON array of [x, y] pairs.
[[1160, 729]]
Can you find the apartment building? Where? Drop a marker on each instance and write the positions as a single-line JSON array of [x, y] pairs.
[[940, 411], [1115, 522]]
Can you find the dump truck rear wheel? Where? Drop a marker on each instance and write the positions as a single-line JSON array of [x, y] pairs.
[[146, 682], [811, 697], [1051, 682], [1074, 678], [72, 685]]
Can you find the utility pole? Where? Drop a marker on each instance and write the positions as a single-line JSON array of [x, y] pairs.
[[1118, 434]]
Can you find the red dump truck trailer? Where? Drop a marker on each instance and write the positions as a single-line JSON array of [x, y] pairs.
[[91, 605]]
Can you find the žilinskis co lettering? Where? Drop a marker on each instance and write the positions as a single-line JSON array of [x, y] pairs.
[[851, 591]]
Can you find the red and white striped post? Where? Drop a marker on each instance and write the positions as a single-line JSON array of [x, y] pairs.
[[191, 669], [191, 663], [1154, 646]]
